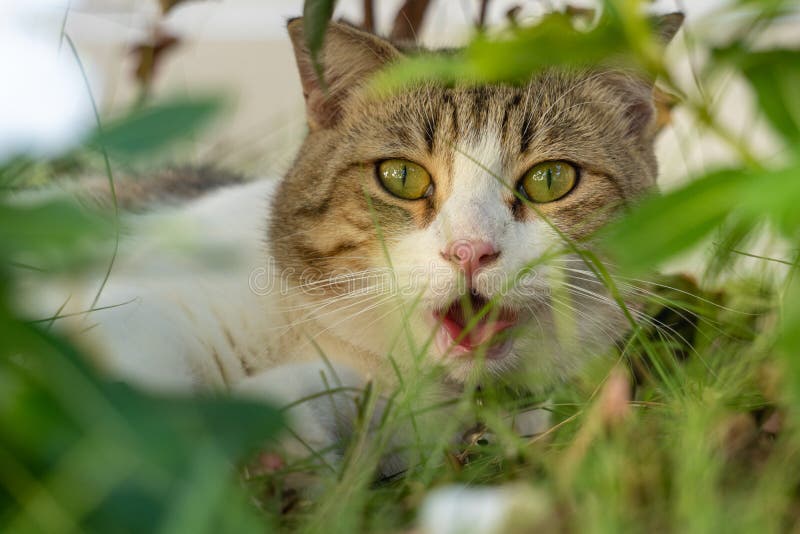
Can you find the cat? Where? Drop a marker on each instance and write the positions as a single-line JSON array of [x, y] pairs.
[[398, 242]]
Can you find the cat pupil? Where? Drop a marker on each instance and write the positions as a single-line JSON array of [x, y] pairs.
[[549, 178], [405, 174]]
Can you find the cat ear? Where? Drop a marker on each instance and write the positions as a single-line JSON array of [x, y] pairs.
[[348, 56], [667, 25], [644, 116], [637, 96], [640, 109]]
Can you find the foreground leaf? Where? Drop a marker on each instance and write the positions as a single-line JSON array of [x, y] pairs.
[[775, 77], [148, 462], [49, 230], [620, 37], [663, 226], [316, 15], [155, 127]]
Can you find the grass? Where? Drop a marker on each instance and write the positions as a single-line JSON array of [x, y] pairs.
[[699, 441]]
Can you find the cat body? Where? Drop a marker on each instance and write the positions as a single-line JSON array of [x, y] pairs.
[[402, 221]]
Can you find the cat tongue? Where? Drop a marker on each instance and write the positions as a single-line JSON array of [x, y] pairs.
[[457, 318], [479, 334]]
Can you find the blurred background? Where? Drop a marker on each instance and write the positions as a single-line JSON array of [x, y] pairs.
[[239, 48]]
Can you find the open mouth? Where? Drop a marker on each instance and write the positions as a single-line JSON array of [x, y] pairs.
[[468, 326]]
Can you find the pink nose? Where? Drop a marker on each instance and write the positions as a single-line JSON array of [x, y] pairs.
[[470, 254]]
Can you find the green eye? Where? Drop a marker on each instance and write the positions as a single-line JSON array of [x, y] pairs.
[[548, 181], [405, 179]]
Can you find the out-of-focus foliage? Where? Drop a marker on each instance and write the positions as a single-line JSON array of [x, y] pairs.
[[774, 75], [77, 452], [41, 231], [155, 127], [315, 19], [621, 37]]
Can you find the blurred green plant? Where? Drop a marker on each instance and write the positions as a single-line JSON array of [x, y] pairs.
[[77, 452], [154, 128]]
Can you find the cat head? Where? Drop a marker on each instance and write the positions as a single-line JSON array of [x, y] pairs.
[[436, 221]]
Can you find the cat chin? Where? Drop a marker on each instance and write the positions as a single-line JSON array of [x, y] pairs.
[[479, 369]]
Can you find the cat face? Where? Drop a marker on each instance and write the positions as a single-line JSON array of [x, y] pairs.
[[406, 216]]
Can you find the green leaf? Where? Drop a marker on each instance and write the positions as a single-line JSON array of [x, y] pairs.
[[234, 426], [623, 37], [50, 230], [153, 128], [316, 16], [512, 59], [733, 235], [663, 226], [143, 460], [789, 340], [774, 194], [775, 77]]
